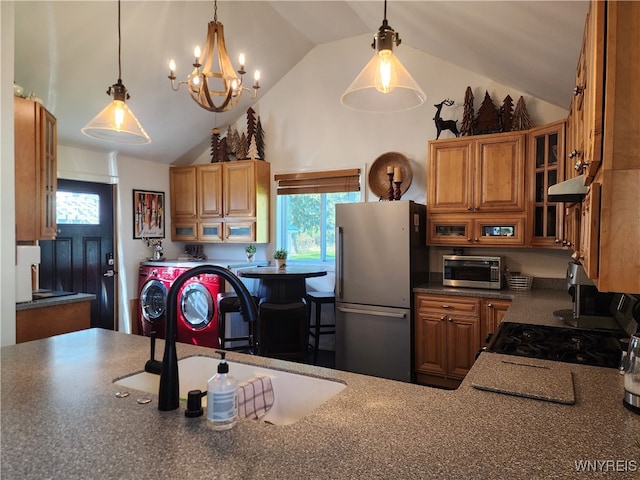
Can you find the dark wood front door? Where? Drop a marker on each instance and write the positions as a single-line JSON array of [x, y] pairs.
[[81, 258]]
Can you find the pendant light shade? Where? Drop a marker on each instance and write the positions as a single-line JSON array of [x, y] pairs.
[[116, 122], [384, 85]]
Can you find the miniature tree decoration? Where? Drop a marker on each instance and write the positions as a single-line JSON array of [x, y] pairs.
[[253, 150], [521, 116], [467, 116], [507, 114], [488, 119], [260, 139], [251, 124], [242, 149], [215, 145]]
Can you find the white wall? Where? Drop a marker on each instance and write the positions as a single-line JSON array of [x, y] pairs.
[[128, 174], [311, 130], [306, 129]]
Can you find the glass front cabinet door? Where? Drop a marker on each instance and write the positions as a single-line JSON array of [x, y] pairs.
[[546, 168]]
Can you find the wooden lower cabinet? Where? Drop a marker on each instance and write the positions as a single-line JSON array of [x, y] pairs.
[[449, 332], [37, 323], [493, 311]]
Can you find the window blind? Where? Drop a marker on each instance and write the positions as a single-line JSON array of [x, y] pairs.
[[347, 180]]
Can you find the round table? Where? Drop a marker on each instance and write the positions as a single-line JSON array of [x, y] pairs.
[[286, 285], [283, 324]]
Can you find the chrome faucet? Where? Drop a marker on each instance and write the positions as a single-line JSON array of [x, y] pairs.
[[168, 395]]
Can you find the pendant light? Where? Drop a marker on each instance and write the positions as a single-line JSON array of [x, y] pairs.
[[383, 85], [116, 122]]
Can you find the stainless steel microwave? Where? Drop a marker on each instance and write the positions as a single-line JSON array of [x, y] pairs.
[[472, 271]]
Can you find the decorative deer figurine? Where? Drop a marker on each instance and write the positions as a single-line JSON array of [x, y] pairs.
[[445, 124]]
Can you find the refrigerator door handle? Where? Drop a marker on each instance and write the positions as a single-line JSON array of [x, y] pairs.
[[371, 312], [339, 263]]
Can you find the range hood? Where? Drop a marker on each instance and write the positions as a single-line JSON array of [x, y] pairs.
[[569, 191]]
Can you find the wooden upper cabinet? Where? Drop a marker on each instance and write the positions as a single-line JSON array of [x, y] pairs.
[[450, 187], [477, 174], [209, 190], [221, 202], [546, 167], [35, 171], [240, 189], [593, 89], [183, 192], [499, 173]]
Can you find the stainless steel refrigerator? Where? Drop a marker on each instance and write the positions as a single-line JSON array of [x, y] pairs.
[[381, 255]]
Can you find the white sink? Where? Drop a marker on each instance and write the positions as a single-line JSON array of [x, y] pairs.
[[295, 395]]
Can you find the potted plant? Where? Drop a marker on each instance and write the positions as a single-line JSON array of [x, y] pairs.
[[280, 256], [250, 250]]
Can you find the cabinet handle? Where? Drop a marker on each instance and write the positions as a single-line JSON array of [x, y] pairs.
[[446, 306]]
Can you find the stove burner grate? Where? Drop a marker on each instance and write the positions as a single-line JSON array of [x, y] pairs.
[[586, 347]]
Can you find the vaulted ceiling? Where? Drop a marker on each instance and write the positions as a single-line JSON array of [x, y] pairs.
[[66, 52]]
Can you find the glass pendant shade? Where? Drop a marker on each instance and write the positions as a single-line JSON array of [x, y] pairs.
[[117, 123], [384, 85]]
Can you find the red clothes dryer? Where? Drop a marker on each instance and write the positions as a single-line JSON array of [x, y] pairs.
[[198, 311], [153, 285]]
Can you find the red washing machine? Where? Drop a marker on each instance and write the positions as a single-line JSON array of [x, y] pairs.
[[198, 310], [153, 285]]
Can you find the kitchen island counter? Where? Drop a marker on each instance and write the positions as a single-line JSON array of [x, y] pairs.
[[61, 419]]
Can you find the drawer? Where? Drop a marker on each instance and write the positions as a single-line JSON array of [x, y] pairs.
[[440, 304]]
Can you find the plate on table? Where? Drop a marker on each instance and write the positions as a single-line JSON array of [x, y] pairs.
[[378, 178]]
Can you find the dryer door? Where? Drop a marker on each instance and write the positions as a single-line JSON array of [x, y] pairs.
[[153, 300], [196, 306]]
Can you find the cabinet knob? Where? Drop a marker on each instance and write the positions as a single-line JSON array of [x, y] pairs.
[[476, 239], [469, 239], [490, 305], [469, 208], [443, 317], [577, 90]]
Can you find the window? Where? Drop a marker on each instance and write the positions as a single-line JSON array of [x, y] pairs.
[[77, 208], [306, 212]]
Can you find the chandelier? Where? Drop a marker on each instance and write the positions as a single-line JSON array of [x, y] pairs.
[[215, 91], [116, 122], [383, 85]]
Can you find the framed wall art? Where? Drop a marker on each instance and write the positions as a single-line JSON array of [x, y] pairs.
[[148, 214]]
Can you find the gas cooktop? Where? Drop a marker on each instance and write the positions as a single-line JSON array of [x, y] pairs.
[[572, 345]]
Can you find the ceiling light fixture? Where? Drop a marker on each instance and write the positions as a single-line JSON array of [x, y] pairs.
[[204, 84], [383, 85], [116, 123]]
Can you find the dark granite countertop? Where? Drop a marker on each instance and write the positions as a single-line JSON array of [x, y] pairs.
[[53, 301], [61, 419], [527, 306]]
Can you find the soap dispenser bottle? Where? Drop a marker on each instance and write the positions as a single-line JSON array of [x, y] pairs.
[[222, 398]]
